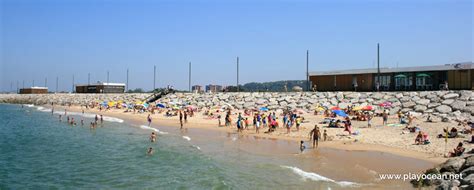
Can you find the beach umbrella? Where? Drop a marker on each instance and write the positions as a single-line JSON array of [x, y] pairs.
[[335, 108], [340, 113], [320, 108], [160, 105], [367, 108], [358, 108], [145, 105], [386, 104], [263, 109]]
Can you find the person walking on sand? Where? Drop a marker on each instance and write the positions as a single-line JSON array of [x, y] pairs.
[[185, 116], [257, 125], [149, 119], [314, 135], [384, 117]]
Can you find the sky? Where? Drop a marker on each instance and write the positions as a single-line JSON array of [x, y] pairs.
[[60, 38]]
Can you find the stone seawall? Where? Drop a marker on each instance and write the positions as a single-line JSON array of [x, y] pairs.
[[442, 105]]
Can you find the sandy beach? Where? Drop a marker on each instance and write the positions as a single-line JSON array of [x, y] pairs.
[[389, 139]]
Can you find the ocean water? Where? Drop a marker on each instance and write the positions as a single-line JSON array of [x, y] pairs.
[[39, 152]]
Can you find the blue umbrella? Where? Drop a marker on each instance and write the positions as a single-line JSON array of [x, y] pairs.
[[263, 109], [340, 113], [160, 105]]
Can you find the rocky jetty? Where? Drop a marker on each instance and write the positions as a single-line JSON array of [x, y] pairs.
[[463, 167], [439, 105]]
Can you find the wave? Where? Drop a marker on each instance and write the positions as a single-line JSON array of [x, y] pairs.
[[187, 138], [88, 115], [153, 129], [29, 105], [317, 177], [197, 147], [42, 109]]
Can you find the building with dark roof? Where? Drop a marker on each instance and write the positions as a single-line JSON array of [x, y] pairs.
[[101, 87], [458, 76]]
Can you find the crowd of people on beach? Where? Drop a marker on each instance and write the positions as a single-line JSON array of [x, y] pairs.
[[288, 121]]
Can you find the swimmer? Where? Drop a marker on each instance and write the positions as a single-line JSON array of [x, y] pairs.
[[96, 118], [60, 118], [82, 122], [302, 147], [150, 151], [101, 119], [153, 137]]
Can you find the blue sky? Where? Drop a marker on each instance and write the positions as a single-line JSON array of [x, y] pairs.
[[42, 38]]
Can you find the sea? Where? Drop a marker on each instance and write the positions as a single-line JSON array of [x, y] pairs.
[[37, 151]]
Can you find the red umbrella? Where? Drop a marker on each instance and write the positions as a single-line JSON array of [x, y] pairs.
[[335, 108], [386, 104], [367, 108]]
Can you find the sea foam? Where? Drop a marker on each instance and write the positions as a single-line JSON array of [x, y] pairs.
[[317, 177], [89, 115], [153, 129], [187, 138]]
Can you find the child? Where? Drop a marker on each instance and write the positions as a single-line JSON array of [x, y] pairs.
[[325, 135], [302, 147]]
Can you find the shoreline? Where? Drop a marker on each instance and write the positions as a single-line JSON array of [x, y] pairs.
[[336, 144]]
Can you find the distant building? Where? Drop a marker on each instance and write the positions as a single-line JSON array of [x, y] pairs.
[[34, 90], [213, 88], [101, 87], [197, 88], [458, 76]]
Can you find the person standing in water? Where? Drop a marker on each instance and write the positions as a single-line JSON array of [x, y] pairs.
[[101, 119], [302, 146], [181, 119], [96, 119], [314, 135], [149, 120], [60, 118]]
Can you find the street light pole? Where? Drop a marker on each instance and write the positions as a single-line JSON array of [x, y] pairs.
[[189, 76], [238, 74]]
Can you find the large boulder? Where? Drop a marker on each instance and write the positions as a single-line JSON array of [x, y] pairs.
[[458, 105], [423, 102], [452, 165], [468, 171], [443, 109], [451, 96], [447, 102], [408, 104], [469, 162], [420, 108], [468, 180]]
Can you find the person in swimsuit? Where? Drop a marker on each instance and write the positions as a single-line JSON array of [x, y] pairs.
[[302, 147], [315, 134], [149, 119], [153, 137], [149, 151]]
